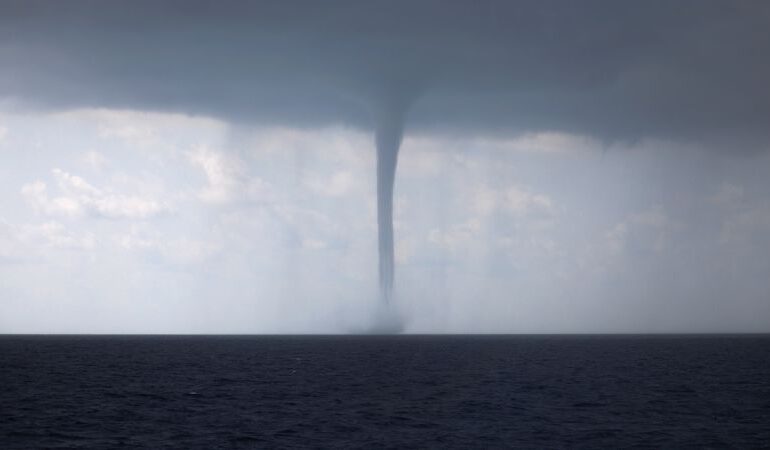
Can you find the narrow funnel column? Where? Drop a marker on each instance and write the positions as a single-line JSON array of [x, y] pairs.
[[388, 140]]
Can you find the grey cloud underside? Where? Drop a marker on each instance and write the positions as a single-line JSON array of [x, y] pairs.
[[612, 69]]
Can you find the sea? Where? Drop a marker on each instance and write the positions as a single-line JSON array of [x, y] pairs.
[[373, 392]]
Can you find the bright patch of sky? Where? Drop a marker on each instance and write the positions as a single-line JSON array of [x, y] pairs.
[[125, 221]]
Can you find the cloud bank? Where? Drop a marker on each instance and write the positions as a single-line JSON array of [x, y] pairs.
[[609, 69]]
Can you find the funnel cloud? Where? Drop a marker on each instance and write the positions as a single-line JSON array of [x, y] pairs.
[[390, 128]]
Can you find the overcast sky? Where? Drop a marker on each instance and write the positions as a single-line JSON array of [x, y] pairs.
[[197, 167]]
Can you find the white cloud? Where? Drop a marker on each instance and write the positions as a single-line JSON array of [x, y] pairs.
[[78, 197], [514, 200], [222, 172], [36, 193], [54, 234], [227, 180]]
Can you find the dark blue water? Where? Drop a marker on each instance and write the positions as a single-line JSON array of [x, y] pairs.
[[384, 392]]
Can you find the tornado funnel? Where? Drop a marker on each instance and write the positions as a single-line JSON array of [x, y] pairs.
[[390, 127]]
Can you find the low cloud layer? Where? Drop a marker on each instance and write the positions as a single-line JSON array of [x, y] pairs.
[[610, 69], [77, 197]]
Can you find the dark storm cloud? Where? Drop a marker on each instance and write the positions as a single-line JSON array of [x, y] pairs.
[[613, 69]]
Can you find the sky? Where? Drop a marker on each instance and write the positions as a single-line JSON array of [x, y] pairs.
[[190, 167]]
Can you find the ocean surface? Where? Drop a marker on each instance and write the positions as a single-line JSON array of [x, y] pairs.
[[384, 391]]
